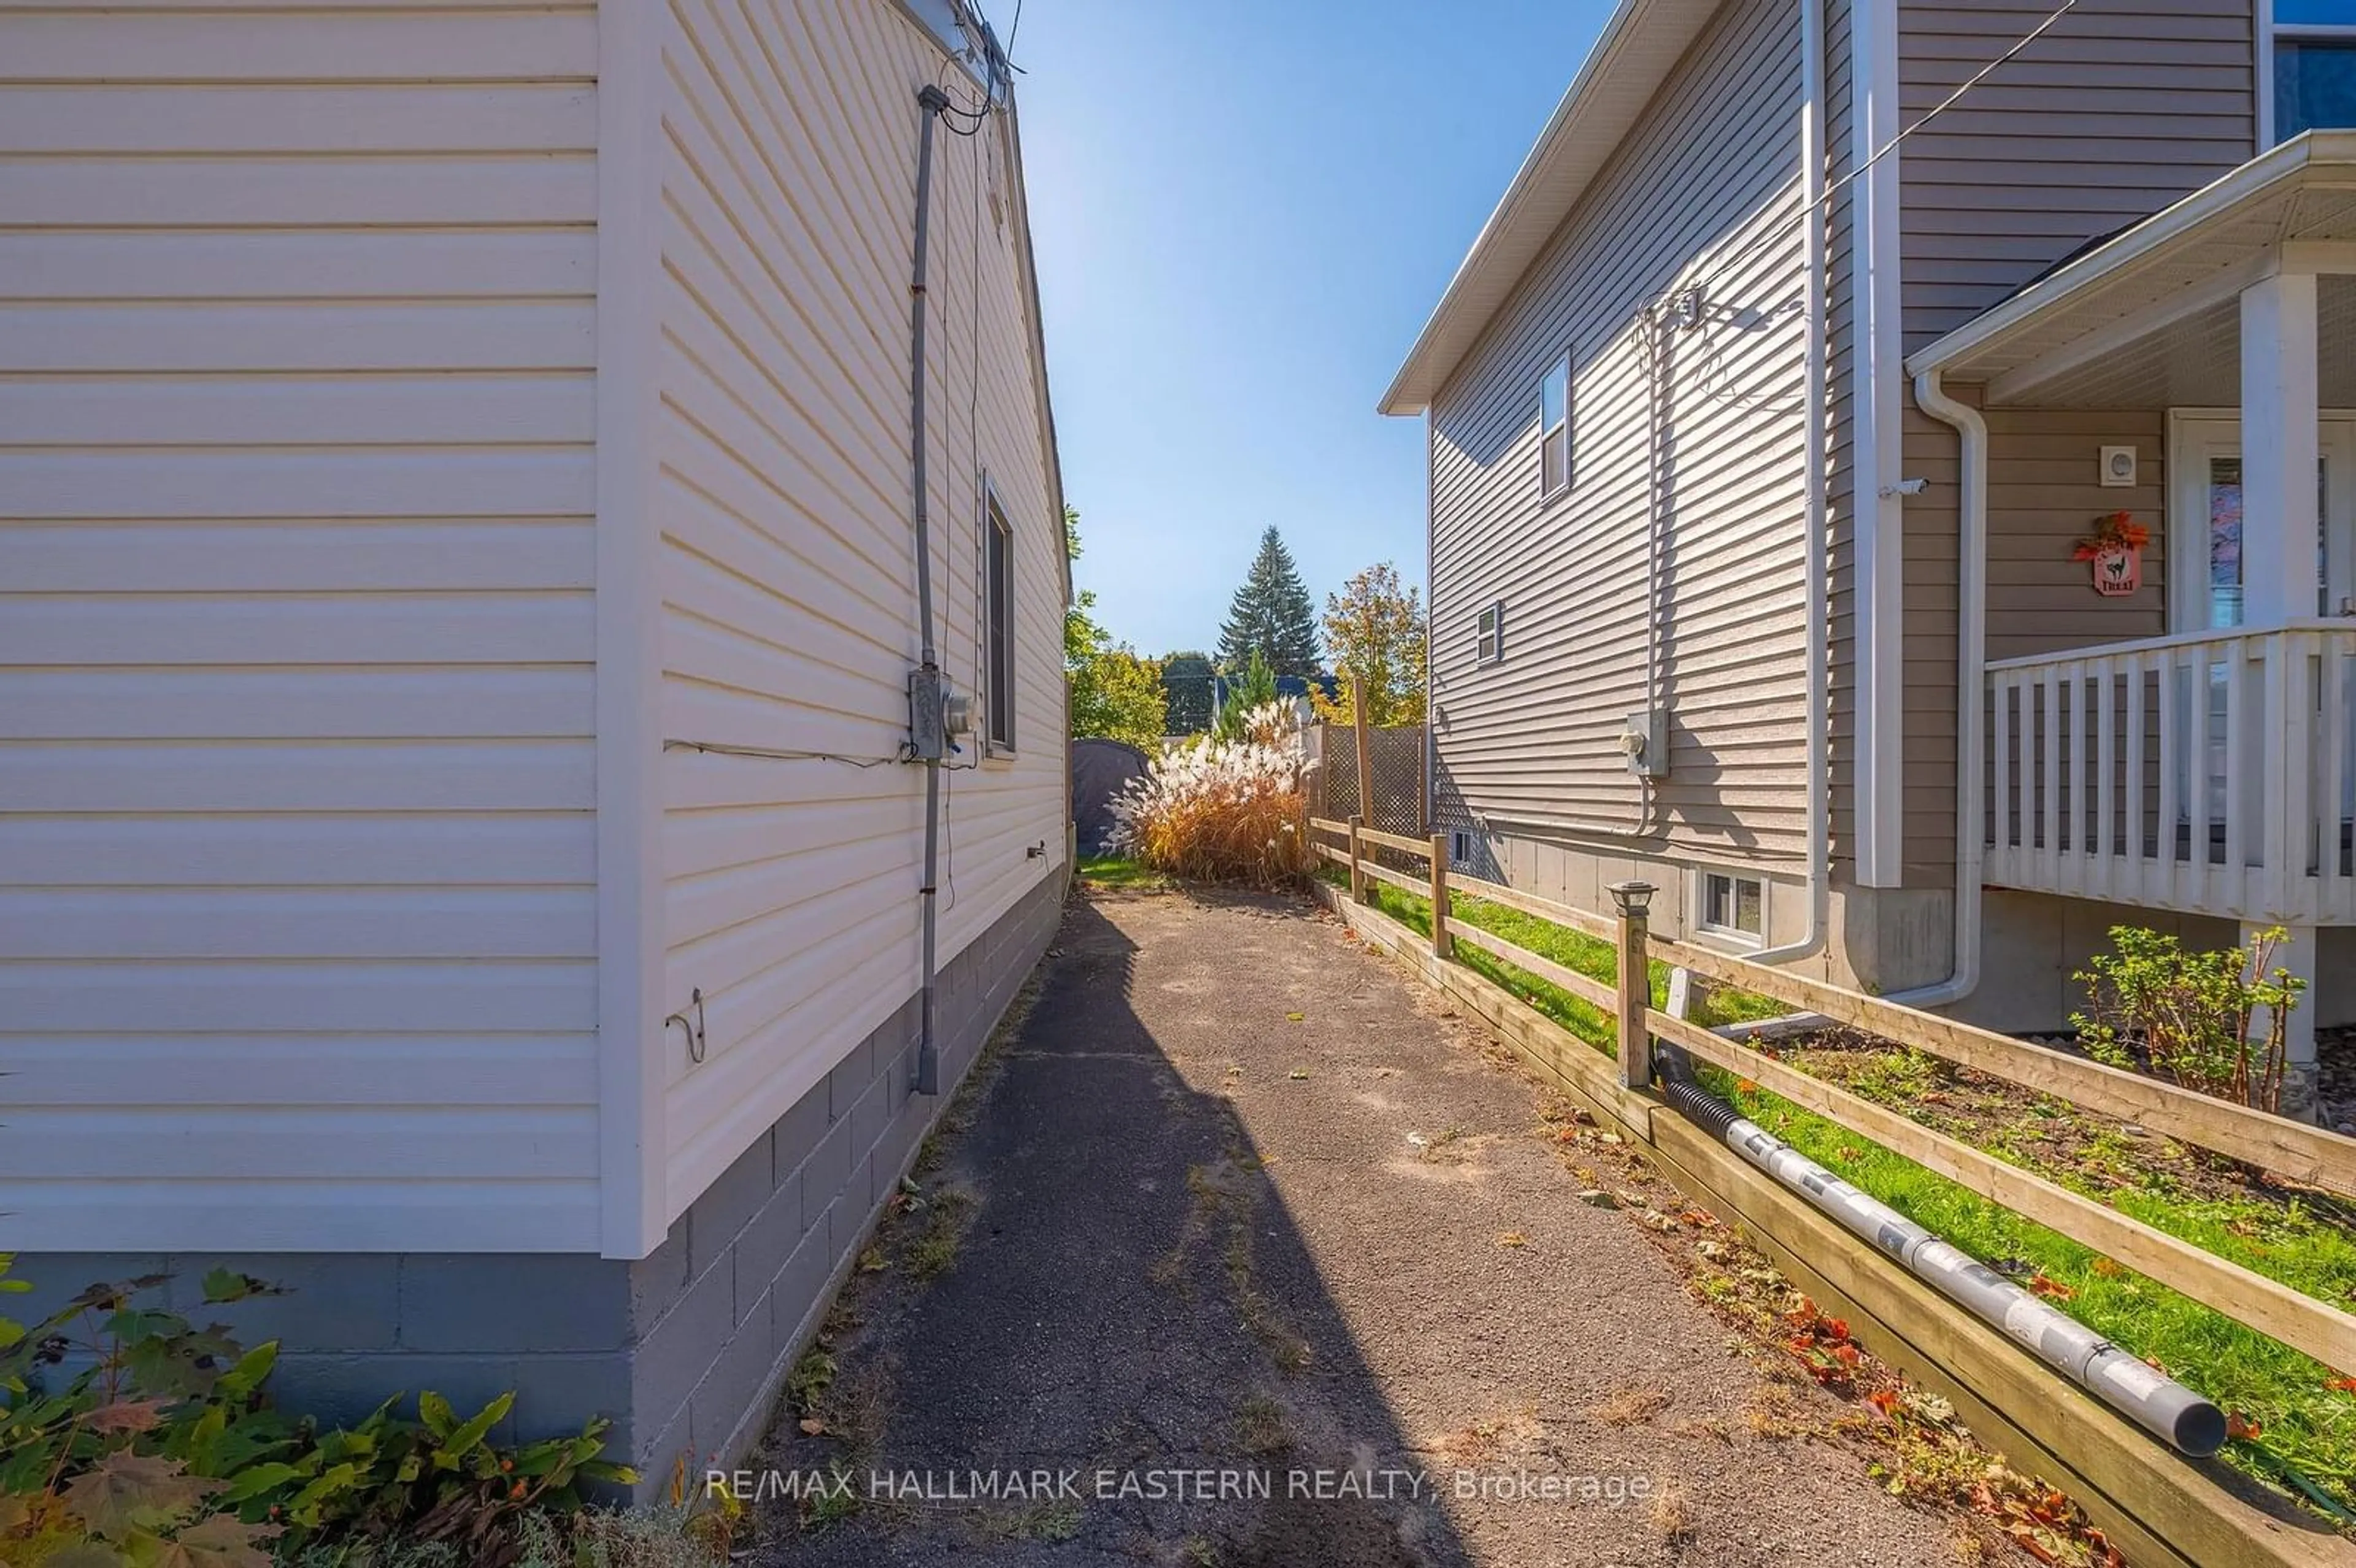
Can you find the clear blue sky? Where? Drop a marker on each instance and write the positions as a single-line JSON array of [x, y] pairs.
[[1243, 210]]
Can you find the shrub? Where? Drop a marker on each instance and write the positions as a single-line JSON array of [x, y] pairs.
[[130, 1436], [2188, 1016], [1218, 810]]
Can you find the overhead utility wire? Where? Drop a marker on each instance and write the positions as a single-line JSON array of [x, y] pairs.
[[1981, 75]]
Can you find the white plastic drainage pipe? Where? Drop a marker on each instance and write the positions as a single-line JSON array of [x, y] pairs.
[[1971, 657], [1817, 564]]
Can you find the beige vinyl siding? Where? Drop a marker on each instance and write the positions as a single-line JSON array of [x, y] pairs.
[[2109, 117], [297, 851], [1705, 189], [2112, 115], [787, 570], [1840, 382], [2044, 493]]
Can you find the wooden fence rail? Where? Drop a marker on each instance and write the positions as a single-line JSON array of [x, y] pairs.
[[2273, 1143], [2310, 1154]]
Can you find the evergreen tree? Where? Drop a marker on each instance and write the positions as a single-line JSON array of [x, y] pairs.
[[1186, 680], [1272, 616]]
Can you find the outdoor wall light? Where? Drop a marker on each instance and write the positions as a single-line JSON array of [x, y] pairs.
[[1634, 897]]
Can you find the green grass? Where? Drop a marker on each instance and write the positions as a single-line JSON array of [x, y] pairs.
[[2301, 1421], [2302, 1424], [1114, 871], [1589, 956]]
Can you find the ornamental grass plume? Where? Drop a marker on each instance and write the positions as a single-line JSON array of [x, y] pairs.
[[1224, 811]]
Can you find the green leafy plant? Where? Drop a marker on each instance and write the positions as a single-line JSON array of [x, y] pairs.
[[2216, 1022], [132, 1438]]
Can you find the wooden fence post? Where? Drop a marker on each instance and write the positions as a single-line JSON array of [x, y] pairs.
[[1366, 752], [1634, 900], [1357, 855], [1442, 944]]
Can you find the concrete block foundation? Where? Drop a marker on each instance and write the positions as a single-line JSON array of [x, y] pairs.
[[685, 1349]]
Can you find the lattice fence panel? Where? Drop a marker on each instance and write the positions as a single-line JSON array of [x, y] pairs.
[[1397, 758]]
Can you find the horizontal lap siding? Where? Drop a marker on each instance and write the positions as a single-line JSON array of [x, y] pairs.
[[788, 571], [2109, 117], [1705, 190], [2112, 115], [297, 853]]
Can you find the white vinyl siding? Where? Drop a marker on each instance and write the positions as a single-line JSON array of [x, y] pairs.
[[1702, 190], [787, 580], [296, 562]]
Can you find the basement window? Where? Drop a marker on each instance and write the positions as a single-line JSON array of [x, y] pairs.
[[1733, 906], [1554, 432], [1490, 642], [999, 649]]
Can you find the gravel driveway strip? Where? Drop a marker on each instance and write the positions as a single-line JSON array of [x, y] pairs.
[[1246, 1253]]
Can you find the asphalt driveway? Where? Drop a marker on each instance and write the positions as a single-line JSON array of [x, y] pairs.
[[1244, 1250]]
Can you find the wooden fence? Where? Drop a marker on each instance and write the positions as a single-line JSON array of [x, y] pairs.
[[1394, 758], [2160, 1506]]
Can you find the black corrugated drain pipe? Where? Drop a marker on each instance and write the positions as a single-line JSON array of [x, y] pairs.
[[2157, 1402]]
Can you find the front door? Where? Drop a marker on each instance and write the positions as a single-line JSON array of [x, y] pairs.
[[2204, 554], [2204, 572]]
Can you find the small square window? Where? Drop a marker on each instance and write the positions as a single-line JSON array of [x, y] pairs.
[[1460, 846], [1733, 906], [1491, 644], [1554, 431]]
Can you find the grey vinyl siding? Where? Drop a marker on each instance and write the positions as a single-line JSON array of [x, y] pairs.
[[1705, 189], [2112, 115]]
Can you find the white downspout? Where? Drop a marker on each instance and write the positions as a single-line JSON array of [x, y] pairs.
[[1817, 567], [1971, 655]]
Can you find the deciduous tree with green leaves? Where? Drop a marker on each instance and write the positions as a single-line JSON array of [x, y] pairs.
[[1271, 615], [1115, 694], [1375, 629]]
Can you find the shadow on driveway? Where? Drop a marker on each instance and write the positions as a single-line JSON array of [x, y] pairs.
[[1240, 1251]]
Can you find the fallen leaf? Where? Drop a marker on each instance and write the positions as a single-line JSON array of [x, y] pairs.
[[2050, 1288], [1294, 1018], [2340, 1385], [1512, 1239], [2238, 1425], [812, 1426], [1297, 1074], [1596, 1197]]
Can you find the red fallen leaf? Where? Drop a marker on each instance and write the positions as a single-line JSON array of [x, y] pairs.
[[1568, 1135], [1848, 1355], [1746, 1085], [1697, 1217], [1836, 1328], [2050, 1288], [1883, 1400], [2106, 1268], [2340, 1385], [2241, 1426], [2025, 1537], [1770, 1053]]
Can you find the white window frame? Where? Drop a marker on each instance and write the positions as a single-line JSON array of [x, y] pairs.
[[1459, 846], [1731, 935], [1489, 634], [1560, 368], [998, 599], [2269, 30]]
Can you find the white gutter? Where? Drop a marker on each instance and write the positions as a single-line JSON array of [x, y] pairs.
[[1971, 657], [1817, 566]]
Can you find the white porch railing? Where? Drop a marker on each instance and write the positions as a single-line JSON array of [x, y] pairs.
[[2210, 773]]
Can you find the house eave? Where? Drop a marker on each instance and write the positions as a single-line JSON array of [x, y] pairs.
[[2192, 233], [1640, 46]]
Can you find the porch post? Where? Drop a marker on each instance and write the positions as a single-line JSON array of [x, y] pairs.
[[2280, 450]]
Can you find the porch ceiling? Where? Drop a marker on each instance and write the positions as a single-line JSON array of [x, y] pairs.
[[2151, 317]]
